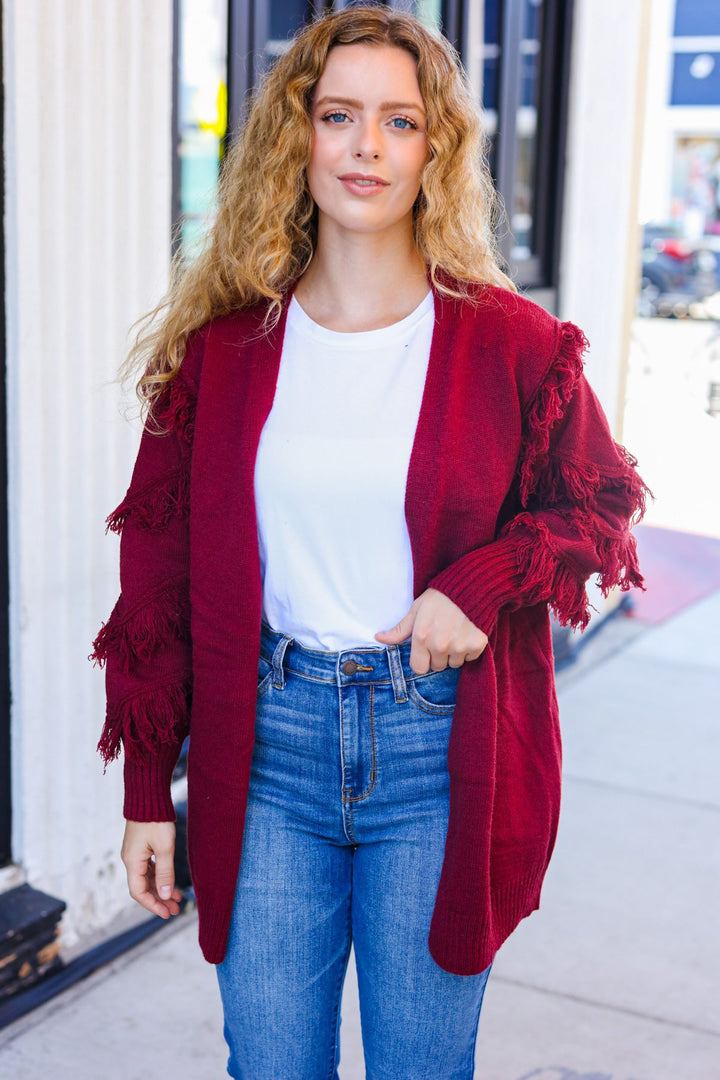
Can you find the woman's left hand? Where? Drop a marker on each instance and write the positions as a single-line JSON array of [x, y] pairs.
[[441, 634]]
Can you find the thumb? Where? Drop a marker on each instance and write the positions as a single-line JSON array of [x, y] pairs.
[[164, 874], [400, 632]]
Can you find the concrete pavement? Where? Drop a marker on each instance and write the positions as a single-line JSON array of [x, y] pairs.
[[617, 977]]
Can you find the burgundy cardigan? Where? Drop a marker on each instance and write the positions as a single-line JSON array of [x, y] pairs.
[[516, 494]]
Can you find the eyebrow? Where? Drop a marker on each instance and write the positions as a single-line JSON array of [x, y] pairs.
[[385, 106]]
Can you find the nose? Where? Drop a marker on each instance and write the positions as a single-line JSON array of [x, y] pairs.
[[368, 145]]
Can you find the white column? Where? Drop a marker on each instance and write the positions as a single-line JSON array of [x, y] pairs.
[[88, 165], [600, 246]]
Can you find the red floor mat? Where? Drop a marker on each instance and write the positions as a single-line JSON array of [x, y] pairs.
[[679, 569]]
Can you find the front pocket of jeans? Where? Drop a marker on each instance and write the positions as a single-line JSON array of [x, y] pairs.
[[436, 691]]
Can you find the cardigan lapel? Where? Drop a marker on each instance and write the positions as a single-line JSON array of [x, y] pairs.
[[237, 388], [427, 470]]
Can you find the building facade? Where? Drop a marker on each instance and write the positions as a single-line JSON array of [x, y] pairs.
[[681, 175]]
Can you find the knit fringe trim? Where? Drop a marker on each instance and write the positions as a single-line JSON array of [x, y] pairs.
[[176, 411], [155, 506], [582, 483], [146, 722], [136, 635], [544, 575], [549, 405], [567, 481], [547, 578]]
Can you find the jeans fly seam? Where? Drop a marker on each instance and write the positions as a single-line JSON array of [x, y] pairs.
[[346, 806], [373, 756]]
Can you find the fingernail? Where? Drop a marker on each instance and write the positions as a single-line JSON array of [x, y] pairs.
[[165, 891]]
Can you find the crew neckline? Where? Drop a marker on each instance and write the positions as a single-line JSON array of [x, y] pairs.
[[300, 321]]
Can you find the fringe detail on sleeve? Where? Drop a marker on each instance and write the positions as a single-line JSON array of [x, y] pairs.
[[177, 411], [568, 481], [619, 564], [137, 634], [153, 508], [549, 404], [544, 575], [145, 722]]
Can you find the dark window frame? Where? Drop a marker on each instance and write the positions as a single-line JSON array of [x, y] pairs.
[[541, 269]]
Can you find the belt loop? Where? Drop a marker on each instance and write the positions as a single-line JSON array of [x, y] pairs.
[[277, 663], [397, 674]]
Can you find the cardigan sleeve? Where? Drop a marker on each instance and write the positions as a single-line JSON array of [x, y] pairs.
[[145, 646], [578, 496]]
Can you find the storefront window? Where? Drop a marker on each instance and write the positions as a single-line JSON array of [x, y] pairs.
[[201, 112], [523, 205], [282, 19], [695, 205], [515, 52], [510, 92], [489, 91]]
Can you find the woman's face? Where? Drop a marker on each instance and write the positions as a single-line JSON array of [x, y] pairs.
[[369, 140]]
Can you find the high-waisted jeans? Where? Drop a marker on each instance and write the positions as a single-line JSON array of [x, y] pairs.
[[344, 839]]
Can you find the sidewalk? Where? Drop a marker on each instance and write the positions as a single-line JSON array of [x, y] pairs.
[[617, 977]]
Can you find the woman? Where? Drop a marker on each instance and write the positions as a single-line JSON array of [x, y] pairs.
[[369, 466]]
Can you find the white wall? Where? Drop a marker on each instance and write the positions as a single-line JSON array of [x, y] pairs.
[[600, 257], [88, 157]]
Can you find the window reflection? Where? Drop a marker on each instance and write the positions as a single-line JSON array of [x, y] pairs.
[[429, 11], [523, 198], [282, 19], [511, 33], [490, 89]]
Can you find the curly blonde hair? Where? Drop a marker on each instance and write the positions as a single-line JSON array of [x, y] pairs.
[[264, 231]]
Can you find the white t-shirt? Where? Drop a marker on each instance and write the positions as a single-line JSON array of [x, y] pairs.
[[330, 479]]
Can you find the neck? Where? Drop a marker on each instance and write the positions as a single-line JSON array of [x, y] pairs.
[[361, 281]]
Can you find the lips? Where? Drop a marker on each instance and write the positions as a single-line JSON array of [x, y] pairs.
[[364, 180], [363, 185]]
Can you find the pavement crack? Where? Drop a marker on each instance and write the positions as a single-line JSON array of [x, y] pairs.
[[656, 796], [592, 1003]]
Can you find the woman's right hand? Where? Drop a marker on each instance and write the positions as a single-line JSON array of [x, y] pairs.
[[147, 851]]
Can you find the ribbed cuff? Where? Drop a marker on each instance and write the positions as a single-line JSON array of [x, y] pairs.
[[465, 943], [482, 582], [147, 785]]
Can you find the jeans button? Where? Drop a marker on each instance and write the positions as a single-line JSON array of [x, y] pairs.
[[349, 667]]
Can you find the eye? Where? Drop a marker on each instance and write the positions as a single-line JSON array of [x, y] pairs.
[[334, 117], [403, 123]]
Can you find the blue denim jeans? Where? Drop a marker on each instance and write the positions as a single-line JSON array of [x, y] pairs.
[[343, 843]]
